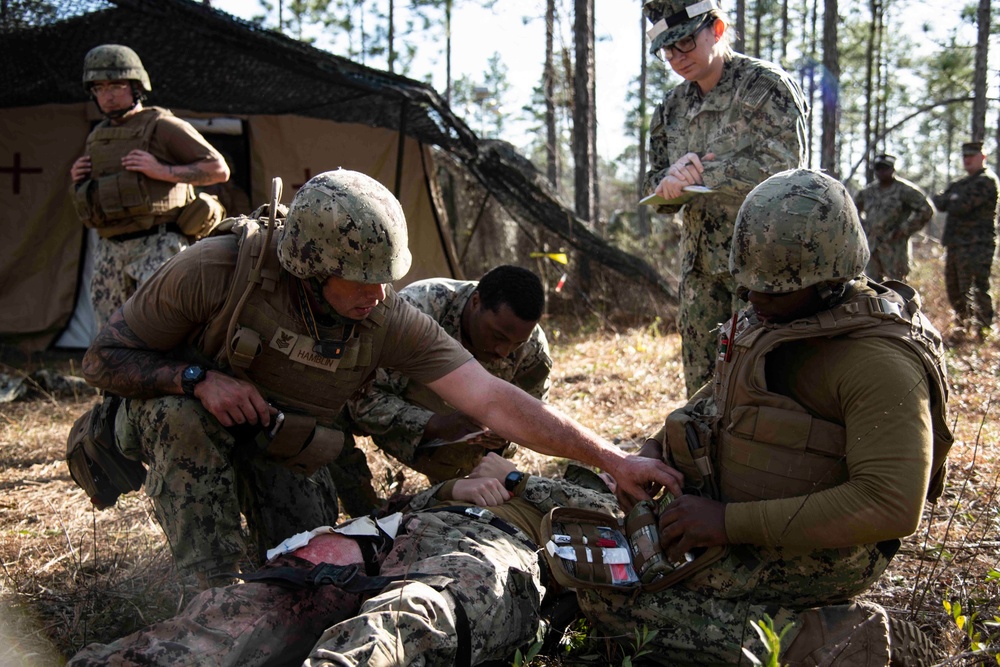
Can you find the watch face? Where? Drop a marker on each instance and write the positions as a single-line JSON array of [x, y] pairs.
[[193, 373]]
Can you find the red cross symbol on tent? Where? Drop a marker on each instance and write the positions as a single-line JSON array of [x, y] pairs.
[[17, 170]]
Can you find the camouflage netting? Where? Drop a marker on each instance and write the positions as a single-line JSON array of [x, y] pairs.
[[205, 60]]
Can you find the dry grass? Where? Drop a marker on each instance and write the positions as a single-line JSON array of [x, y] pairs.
[[72, 575]]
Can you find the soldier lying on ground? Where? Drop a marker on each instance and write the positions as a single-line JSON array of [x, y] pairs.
[[457, 585]]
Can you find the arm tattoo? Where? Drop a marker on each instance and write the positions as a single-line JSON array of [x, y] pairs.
[[120, 362]]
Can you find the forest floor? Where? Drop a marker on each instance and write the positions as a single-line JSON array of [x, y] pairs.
[[73, 575]]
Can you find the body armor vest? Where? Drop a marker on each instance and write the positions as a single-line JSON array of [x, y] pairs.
[[115, 201], [767, 445], [270, 346]]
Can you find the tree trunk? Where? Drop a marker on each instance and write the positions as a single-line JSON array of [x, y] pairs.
[[447, 49], [830, 88], [810, 128], [549, 84], [869, 87], [979, 83], [784, 32], [583, 105], [643, 226], [741, 25], [392, 35]]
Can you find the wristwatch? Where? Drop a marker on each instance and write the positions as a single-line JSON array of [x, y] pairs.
[[190, 377], [513, 480]]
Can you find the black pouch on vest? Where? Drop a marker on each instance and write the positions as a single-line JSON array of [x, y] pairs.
[[94, 460]]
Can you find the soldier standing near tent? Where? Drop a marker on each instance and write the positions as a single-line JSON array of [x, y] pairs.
[[970, 239], [243, 325], [134, 182], [496, 319], [892, 210], [734, 121]]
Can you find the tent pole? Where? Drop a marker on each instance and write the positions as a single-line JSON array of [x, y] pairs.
[[402, 145]]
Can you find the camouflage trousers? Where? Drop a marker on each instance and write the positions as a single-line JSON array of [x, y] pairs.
[[250, 625], [120, 267], [967, 281], [706, 619], [201, 479], [705, 301], [889, 260], [496, 582]]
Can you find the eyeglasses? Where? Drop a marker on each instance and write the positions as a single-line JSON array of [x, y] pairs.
[[110, 87], [683, 45]]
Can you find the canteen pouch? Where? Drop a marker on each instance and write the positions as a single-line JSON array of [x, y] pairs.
[[301, 444], [201, 216], [689, 448], [94, 460], [579, 552]]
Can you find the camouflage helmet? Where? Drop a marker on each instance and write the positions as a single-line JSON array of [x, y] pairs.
[[110, 62], [346, 224], [675, 19], [798, 228]]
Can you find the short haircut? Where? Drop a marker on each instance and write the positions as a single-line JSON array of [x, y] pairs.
[[518, 288]]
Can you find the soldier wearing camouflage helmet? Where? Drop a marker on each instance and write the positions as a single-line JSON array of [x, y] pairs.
[[892, 209], [245, 325], [134, 182], [730, 124], [809, 456]]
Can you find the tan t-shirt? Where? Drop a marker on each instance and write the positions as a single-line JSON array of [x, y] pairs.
[[879, 391], [175, 141], [180, 307]]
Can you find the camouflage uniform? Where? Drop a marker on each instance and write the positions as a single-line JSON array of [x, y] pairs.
[[890, 216], [202, 476], [970, 239], [753, 120], [497, 583], [120, 267], [394, 410], [495, 578], [134, 215], [819, 472]]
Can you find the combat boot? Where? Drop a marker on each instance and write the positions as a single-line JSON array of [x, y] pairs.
[[853, 635]]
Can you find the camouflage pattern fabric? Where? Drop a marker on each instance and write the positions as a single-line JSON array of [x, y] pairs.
[[796, 229], [200, 479], [970, 238], [890, 216], [706, 619], [753, 120], [251, 624], [967, 271], [397, 425], [110, 62], [346, 224], [497, 583], [121, 266]]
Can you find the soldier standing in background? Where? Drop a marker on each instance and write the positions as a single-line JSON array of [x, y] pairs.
[[970, 239], [892, 210], [496, 319], [733, 122], [134, 182]]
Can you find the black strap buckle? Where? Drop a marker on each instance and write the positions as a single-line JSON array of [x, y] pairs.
[[336, 575]]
